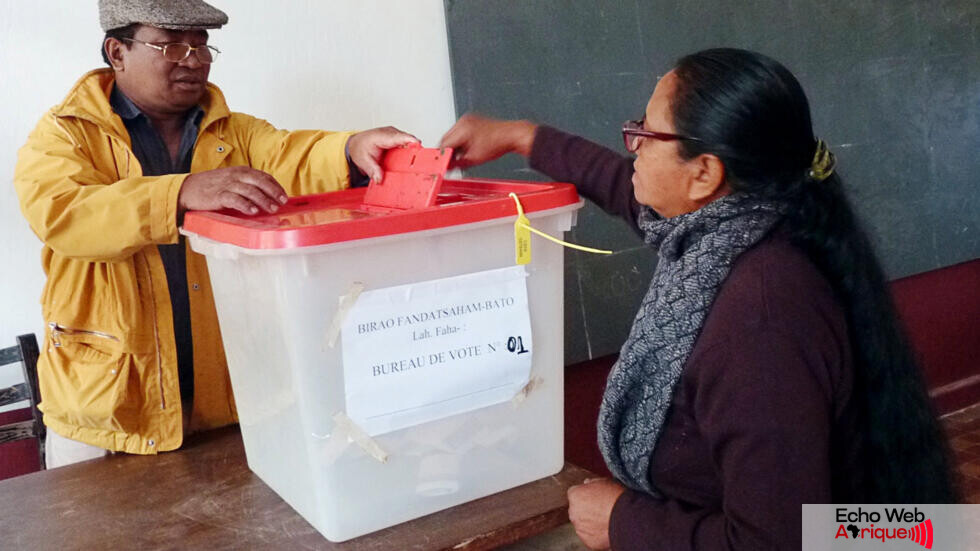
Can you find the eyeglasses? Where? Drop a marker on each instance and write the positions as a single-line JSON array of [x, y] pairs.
[[633, 131], [175, 52]]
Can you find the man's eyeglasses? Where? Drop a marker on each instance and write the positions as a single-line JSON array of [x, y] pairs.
[[633, 131], [175, 52]]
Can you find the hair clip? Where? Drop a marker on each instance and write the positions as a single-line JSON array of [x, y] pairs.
[[823, 163]]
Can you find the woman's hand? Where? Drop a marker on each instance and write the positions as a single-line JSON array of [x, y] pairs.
[[590, 506], [477, 140]]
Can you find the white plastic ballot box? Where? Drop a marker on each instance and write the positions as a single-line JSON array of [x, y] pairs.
[[388, 362]]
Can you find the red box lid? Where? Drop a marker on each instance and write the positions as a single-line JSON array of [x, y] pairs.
[[342, 215]]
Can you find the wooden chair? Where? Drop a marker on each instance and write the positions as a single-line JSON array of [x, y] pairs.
[[26, 351]]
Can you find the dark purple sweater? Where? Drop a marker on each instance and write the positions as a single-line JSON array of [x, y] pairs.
[[747, 440]]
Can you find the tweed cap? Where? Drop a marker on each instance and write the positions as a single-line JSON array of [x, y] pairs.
[[178, 15]]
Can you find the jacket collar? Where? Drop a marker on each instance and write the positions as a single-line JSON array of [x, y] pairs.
[[89, 99]]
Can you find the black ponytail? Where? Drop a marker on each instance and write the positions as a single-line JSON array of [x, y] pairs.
[[751, 112]]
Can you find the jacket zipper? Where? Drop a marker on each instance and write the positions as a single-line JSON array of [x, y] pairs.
[[156, 331], [57, 330], [149, 275]]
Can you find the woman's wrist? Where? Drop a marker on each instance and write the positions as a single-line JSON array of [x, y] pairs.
[[522, 136]]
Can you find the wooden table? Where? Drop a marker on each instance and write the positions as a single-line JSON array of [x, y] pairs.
[[205, 497]]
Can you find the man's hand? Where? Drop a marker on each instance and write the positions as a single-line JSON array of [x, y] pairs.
[[477, 140], [590, 506], [239, 187], [365, 148]]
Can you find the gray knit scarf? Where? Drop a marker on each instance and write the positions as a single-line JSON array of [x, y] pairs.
[[696, 252]]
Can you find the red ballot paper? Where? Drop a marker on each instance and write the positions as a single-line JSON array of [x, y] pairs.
[[412, 178]]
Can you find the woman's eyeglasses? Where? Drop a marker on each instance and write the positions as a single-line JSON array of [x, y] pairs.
[[633, 131], [175, 52]]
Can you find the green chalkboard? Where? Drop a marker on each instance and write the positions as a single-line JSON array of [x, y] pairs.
[[894, 86]]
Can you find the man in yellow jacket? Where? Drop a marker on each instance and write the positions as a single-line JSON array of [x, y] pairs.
[[132, 356]]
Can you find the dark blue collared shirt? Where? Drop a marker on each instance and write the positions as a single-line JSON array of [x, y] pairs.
[[154, 157]]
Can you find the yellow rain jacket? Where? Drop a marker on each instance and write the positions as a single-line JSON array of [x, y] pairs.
[[108, 366]]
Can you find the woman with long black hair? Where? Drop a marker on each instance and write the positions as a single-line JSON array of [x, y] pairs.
[[765, 368]]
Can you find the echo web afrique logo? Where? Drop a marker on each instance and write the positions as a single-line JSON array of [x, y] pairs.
[[853, 525]]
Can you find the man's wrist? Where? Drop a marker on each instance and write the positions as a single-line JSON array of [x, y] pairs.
[[357, 177]]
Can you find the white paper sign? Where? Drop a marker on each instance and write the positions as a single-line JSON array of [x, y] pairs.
[[420, 352]]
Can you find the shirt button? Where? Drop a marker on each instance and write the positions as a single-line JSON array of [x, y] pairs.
[[195, 286], [221, 149], [151, 443]]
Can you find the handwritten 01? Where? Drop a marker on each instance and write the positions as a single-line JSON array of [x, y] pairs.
[[516, 345]]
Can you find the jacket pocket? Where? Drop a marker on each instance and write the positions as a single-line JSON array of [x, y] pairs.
[[88, 380]]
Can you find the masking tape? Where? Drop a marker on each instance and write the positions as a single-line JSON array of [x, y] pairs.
[[521, 395], [344, 426], [346, 303]]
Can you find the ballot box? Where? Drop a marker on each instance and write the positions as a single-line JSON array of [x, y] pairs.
[[388, 354]]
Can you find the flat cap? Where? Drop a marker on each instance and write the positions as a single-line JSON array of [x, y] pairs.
[[178, 15]]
